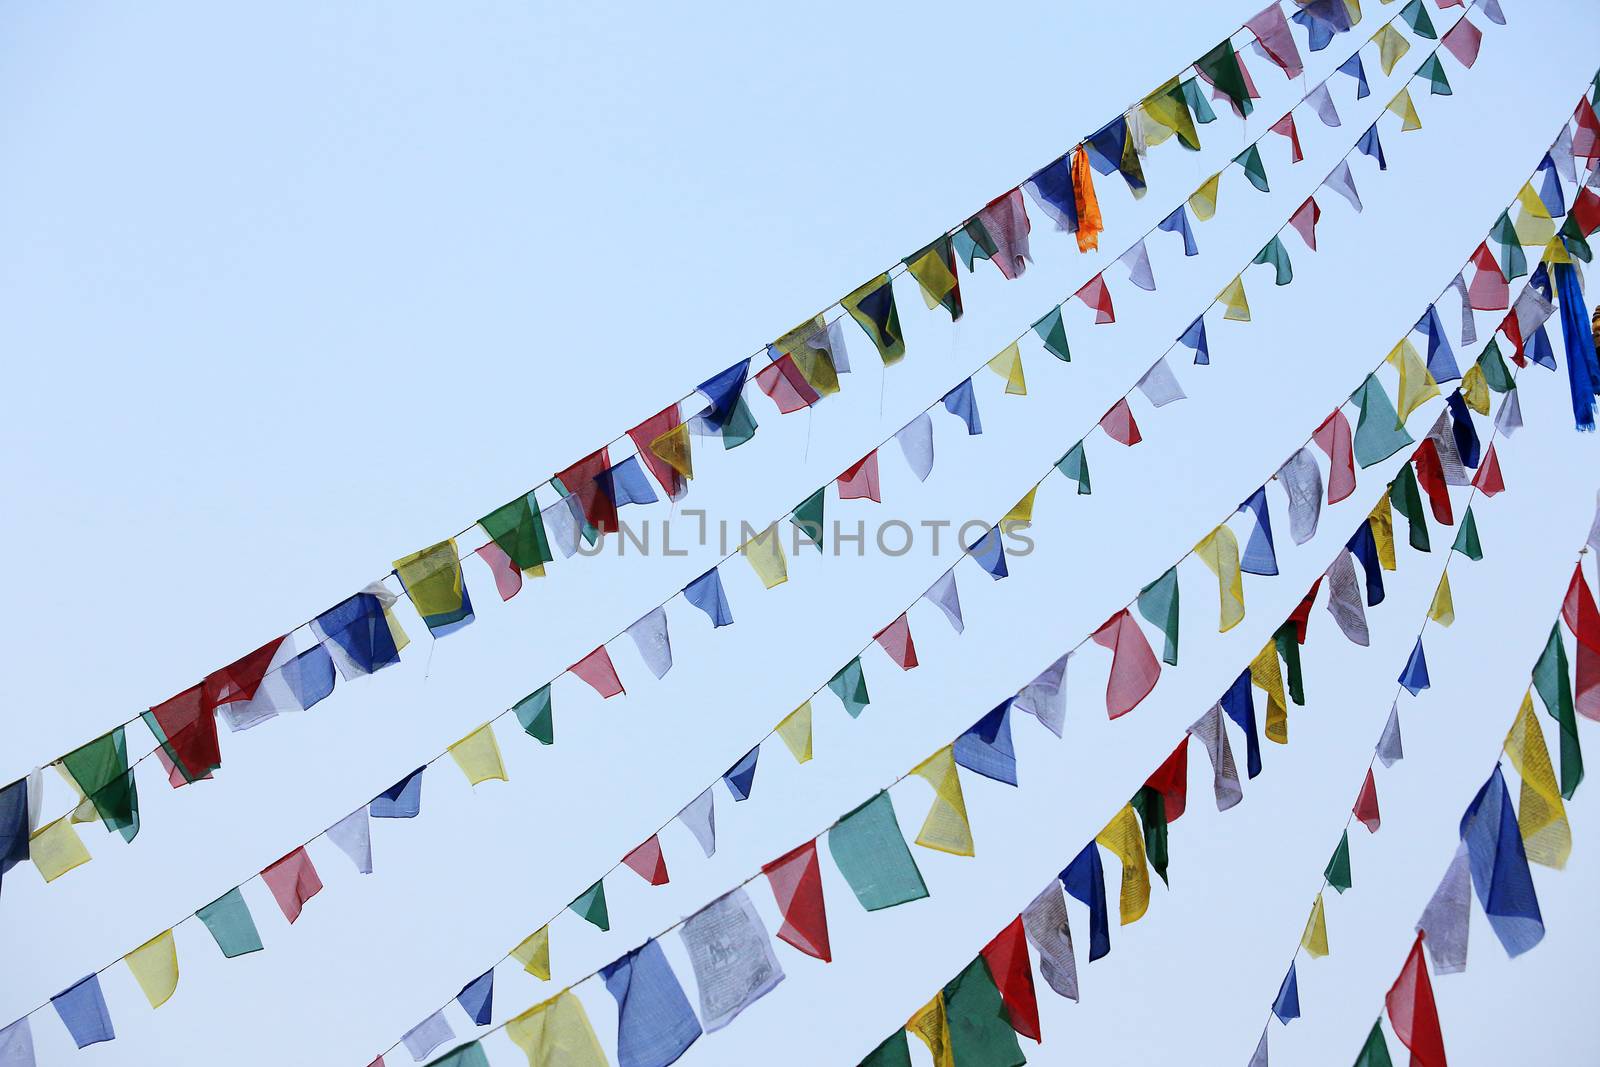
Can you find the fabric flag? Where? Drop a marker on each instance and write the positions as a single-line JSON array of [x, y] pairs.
[[1488, 290], [1051, 188], [292, 682], [1364, 548], [1171, 780], [1005, 219], [1008, 365], [1392, 46], [1163, 113], [1337, 872], [1087, 204], [663, 444], [986, 746], [1448, 442], [1258, 1058], [1052, 331], [1416, 17], [1441, 360], [1006, 961], [989, 552], [536, 715], [82, 1008], [817, 350], [1541, 816], [1221, 67], [741, 777], [353, 835], [655, 1024], [1301, 480], [1389, 749], [1433, 70], [507, 579], [849, 684], [1119, 424], [795, 730], [654, 643], [1265, 675], [228, 919], [1333, 438], [1286, 1005], [1259, 556], [56, 848], [1122, 839], [706, 593], [1462, 41], [1353, 68], [1219, 551], [963, 404], [101, 773], [932, 1026], [764, 553], [1203, 201], [293, 881], [1417, 385], [1272, 30], [1415, 675], [867, 847], [432, 579], [1412, 1012], [565, 523], [1303, 222], [895, 1051], [1159, 385], [1137, 261], [1273, 254], [1095, 295], [186, 729], [1178, 223], [861, 480], [557, 1033], [1075, 465], [1443, 608], [947, 597], [428, 1035], [534, 953], [1044, 921], [723, 394], [1134, 670], [916, 443], [1372, 145], [1551, 679], [1321, 101], [895, 640], [16, 1044], [1224, 772], [1379, 431], [1446, 921], [1500, 874], [597, 671], [625, 483], [872, 306], [1489, 481], [590, 906], [796, 881], [359, 633], [1285, 127], [1366, 805], [934, 268], [1315, 938], [1578, 340], [946, 827], [1233, 299], [1250, 162], [1110, 149], [477, 998], [1085, 879], [648, 863], [154, 965], [1045, 697], [478, 756], [1158, 603], [1406, 498], [734, 965], [786, 386], [1342, 182], [469, 1055]]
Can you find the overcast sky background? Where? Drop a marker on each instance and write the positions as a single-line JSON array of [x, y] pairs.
[[292, 292]]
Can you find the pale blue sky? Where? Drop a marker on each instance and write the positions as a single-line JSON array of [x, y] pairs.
[[292, 292]]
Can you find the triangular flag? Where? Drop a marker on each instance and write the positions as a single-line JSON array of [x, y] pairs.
[[1414, 678], [1286, 1005], [1008, 364], [1007, 960], [1119, 424], [849, 684], [1233, 299], [1412, 1012], [534, 953], [478, 756], [1366, 806], [1285, 127], [741, 777], [861, 480], [1541, 816], [1315, 938], [946, 827], [796, 881], [647, 861], [1304, 222], [597, 671], [1134, 669], [895, 639], [1095, 294], [795, 730], [591, 906], [1337, 872]]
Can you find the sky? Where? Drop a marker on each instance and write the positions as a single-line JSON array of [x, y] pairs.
[[294, 292]]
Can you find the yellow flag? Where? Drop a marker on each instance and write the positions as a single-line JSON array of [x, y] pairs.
[[83, 811], [931, 1025], [1528, 200], [1233, 299], [795, 730], [1541, 815], [672, 448], [1405, 110], [155, 965], [1382, 522], [765, 553], [1203, 201], [56, 848], [1534, 227], [933, 275], [1353, 9], [806, 345], [1417, 386], [396, 632], [534, 953], [1268, 677], [1443, 610], [1556, 252], [1008, 364], [1022, 510], [1392, 45], [557, 1033], [1220, 552], [946, 828], [1122, 837], [1167, 115], [478, 755], [432, 577], [1315, 939], [1475, 390]]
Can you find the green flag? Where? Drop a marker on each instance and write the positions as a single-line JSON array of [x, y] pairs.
[[1254, 169], [591, 905], [871, 853], [1416, 16], [1151, 807], [1221, 66], [1379, 434], [1553, 682], [101, 770], [537, 716], [1337, 872], [1467, 538], [740, 426], [518, 528], [850, 686], [1504, 234], [1496, 375], [807, 518], [228, 919], [1406, 497], [1275, 255], [468, 1055], [894, 1052], [1158, 603], [1053, 332], [1433, 70], [980, 1030], [1375, 1053], [1075, 465], [1289, 649]]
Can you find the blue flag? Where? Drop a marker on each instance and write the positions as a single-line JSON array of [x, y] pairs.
[[1415, 676], [706, 593], [1195, 338], [1441, 359], [1371, 145], [1259, 556], [741, 777], [403, 800], [1500, 874], [1085, 879], [1240, 705], [990, 553], [655, 1024], [1287, 1005], [1364, 547], [83, 1009], [1178, 223], [961, 403], [986, 747], [13, 825], [477, 998]]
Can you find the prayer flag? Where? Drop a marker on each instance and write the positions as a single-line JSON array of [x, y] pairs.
[[1366, 806], [1134, 670], [229, 921], [870, 852], [478, 756], [1412, 1012], [655, 1024], [734, 965], [293, 881], [590, 906], [796, 880], [946, 827], [647, 861], [596, 670]]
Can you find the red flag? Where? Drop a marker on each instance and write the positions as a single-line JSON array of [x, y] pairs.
[[1430, 475], [1366, 809], [862, 480], [1171, 780], [507, 579], [1586, 137], [788, 388], [1579, 613], [896, 641], [293, 881], [187, 730], [239, 679], [1488, 480], [1488, 290], [1462, 41], [581, 480], [647, 861], [1304, 221], [1119, 425], [645, 434], [1513, 331], [1007, 958], [1284, 127], [1095, 294], [1134, 669], [1413, 1014], [1585, 211], [1301, 615], [796, 882], [596, 669], [1333, 437]]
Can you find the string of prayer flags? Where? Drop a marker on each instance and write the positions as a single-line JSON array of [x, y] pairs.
[[1541, 816], [82, 1008], [1134, 670], [869, 850], [1119, 425], [1412, 1012], [648, 862], [1097, 296], [732, 958], [1219, 551], [655, 1024], [946, 827], [741, 777], [796, 881], [590, 905], [1085, 879], [597, 671], [478, 755], [293, 880], [229, 921], [1365, 810]]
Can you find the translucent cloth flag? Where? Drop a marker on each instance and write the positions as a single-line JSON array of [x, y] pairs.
[[1005, 219], [734, 965], [1221, 67], [654, 643], [1412, 1012], [1379, 431], [185, 727], [655, 1024], [1304, 222], [428, 1035], [1363, 546], [1372, 145], [469, 1055], [1415, 675], [1551, 677], [359, 633], [1203, 201], [647, 862], [665, 449], [1353, 68], [1008, 365], [1392, 46], [1006, 958], [1390, 750], [1134, 669], [1417, 386], [1333, 438], [787, 387], [1075, 465], [947, 597], [56, 848], [590, 906], [894, 1051], [1213, 734], [1259, 556], [293, 881], [1499, 865], [870, 852], [534, 953], [1541, 816], [934, 268], [980, 1030], [796, 881], [597, 671], [722, 393], [293, 682], [1315, 938], [1122, 838], [1045, 698], [1086, 203], [1095, 295], [895, 640], [1488, 290], [1446, 921], [1337, 872], [1158, 602], [403, 800], [1285, 127], [986, 746], [1233, 299], [1084, 878], [1321, 101], [1178, 223], [1301, 480], [849, 684], [229, 922], [1159, 385], [795, 730], [102, 776], [507, 579], [741, 777], [1044, 921], [1272, 30], [1258, 1058], [353, 835], [1463, 40], [706, 593], [1219, 551], [989, 553], [1286, 1005], [1489, 481], [478, 756], [155, 967], [963, 404], [16, 1044], [557, 1033], [916, 443], [1119, 424], [872, 306], [764, 553], [1274, 255], [432, 579], [861, 480], [1137, 261], [1342, 182], [932, 1026], [1443, 608], [82, 1008], [1051, 188], [1052, 331]]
